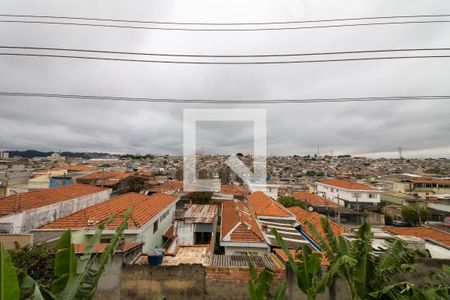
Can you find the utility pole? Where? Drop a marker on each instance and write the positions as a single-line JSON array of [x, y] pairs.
[[400, 152], [318, 150]]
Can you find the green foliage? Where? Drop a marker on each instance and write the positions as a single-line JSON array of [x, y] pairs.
[[259, 284], [289, 201], [9, 285], [36, 261], [134, 183], [74, 278], [356, 263], [410, 214], [200, 197], [306, 267]]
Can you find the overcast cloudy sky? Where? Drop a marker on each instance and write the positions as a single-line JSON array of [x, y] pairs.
[[376, 129]]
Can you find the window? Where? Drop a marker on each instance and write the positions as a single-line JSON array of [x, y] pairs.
[[373, 196], [356, 195], [332, 190], [105, 240], [155, 226]]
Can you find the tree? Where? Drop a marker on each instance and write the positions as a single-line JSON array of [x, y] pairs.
[[75, 278], [289, 201], [200, 197], [135, 183], [36, 261], [365, 275], [410, 214], [259, 284]]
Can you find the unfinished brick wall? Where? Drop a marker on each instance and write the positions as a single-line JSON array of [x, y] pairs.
[[231, 283]]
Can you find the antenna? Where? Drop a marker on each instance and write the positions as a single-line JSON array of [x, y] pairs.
[[400, 152]]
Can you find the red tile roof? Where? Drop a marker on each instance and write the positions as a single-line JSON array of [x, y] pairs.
[[79, 168], [35, 199], [145, 208], [314, 199], [263, 205], [105, 175], [421, 232], [314, 218], [239, 223], [430, 181], [233, 189], [173, 185], [347, 184]]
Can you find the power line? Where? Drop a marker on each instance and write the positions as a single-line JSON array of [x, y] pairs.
[[223, 101], [225, 29], [225, 62], [225, 55], [227, 23]]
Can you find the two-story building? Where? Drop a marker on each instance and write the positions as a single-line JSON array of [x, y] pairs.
[[350, 194], [151, 217]]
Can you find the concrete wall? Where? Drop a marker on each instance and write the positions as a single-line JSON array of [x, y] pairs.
[[8, 240], [347, 195], [208, 283], [34, 218]]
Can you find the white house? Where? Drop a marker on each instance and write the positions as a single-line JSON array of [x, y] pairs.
[[22, 212], [349, 194]]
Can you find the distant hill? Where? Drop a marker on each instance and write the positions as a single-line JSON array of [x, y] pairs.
[[36, 153]]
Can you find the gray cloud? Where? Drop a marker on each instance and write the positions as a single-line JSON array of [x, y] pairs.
[[421, 128]]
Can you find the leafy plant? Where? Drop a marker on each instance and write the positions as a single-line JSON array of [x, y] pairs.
[[289, 201], [259, 284], [75, 278], [364, 273], [411, 215], [9, 285]]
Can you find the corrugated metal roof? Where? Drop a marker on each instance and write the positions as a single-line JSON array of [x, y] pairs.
[[200, 214]]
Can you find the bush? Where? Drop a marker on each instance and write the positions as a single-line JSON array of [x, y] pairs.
[[410, 214], [289, 201]]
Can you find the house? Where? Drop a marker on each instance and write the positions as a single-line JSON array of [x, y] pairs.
[[112, 179], [319, 204], [240, 232], [168, 187], [22, 212], [272, 215], [423, 187], [350, 194], [304, 217], [151, 217]]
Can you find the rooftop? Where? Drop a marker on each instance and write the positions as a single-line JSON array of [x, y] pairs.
[[313, 199], [145, 208], [314, 218], [347, 184], [173, 185], [35, 199], [239, 224], [422, 232], [233, 189], [263, 205], [197, 213]]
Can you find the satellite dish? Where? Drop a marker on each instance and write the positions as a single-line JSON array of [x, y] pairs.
[[310, 209]]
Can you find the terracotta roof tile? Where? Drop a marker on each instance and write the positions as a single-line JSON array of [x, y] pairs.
[[263, 205], [35, 199], [347, 184], [313, 199], [145, 208], [233, 189], [314, 218], [173, 185], [239, 223], [421, 232]]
